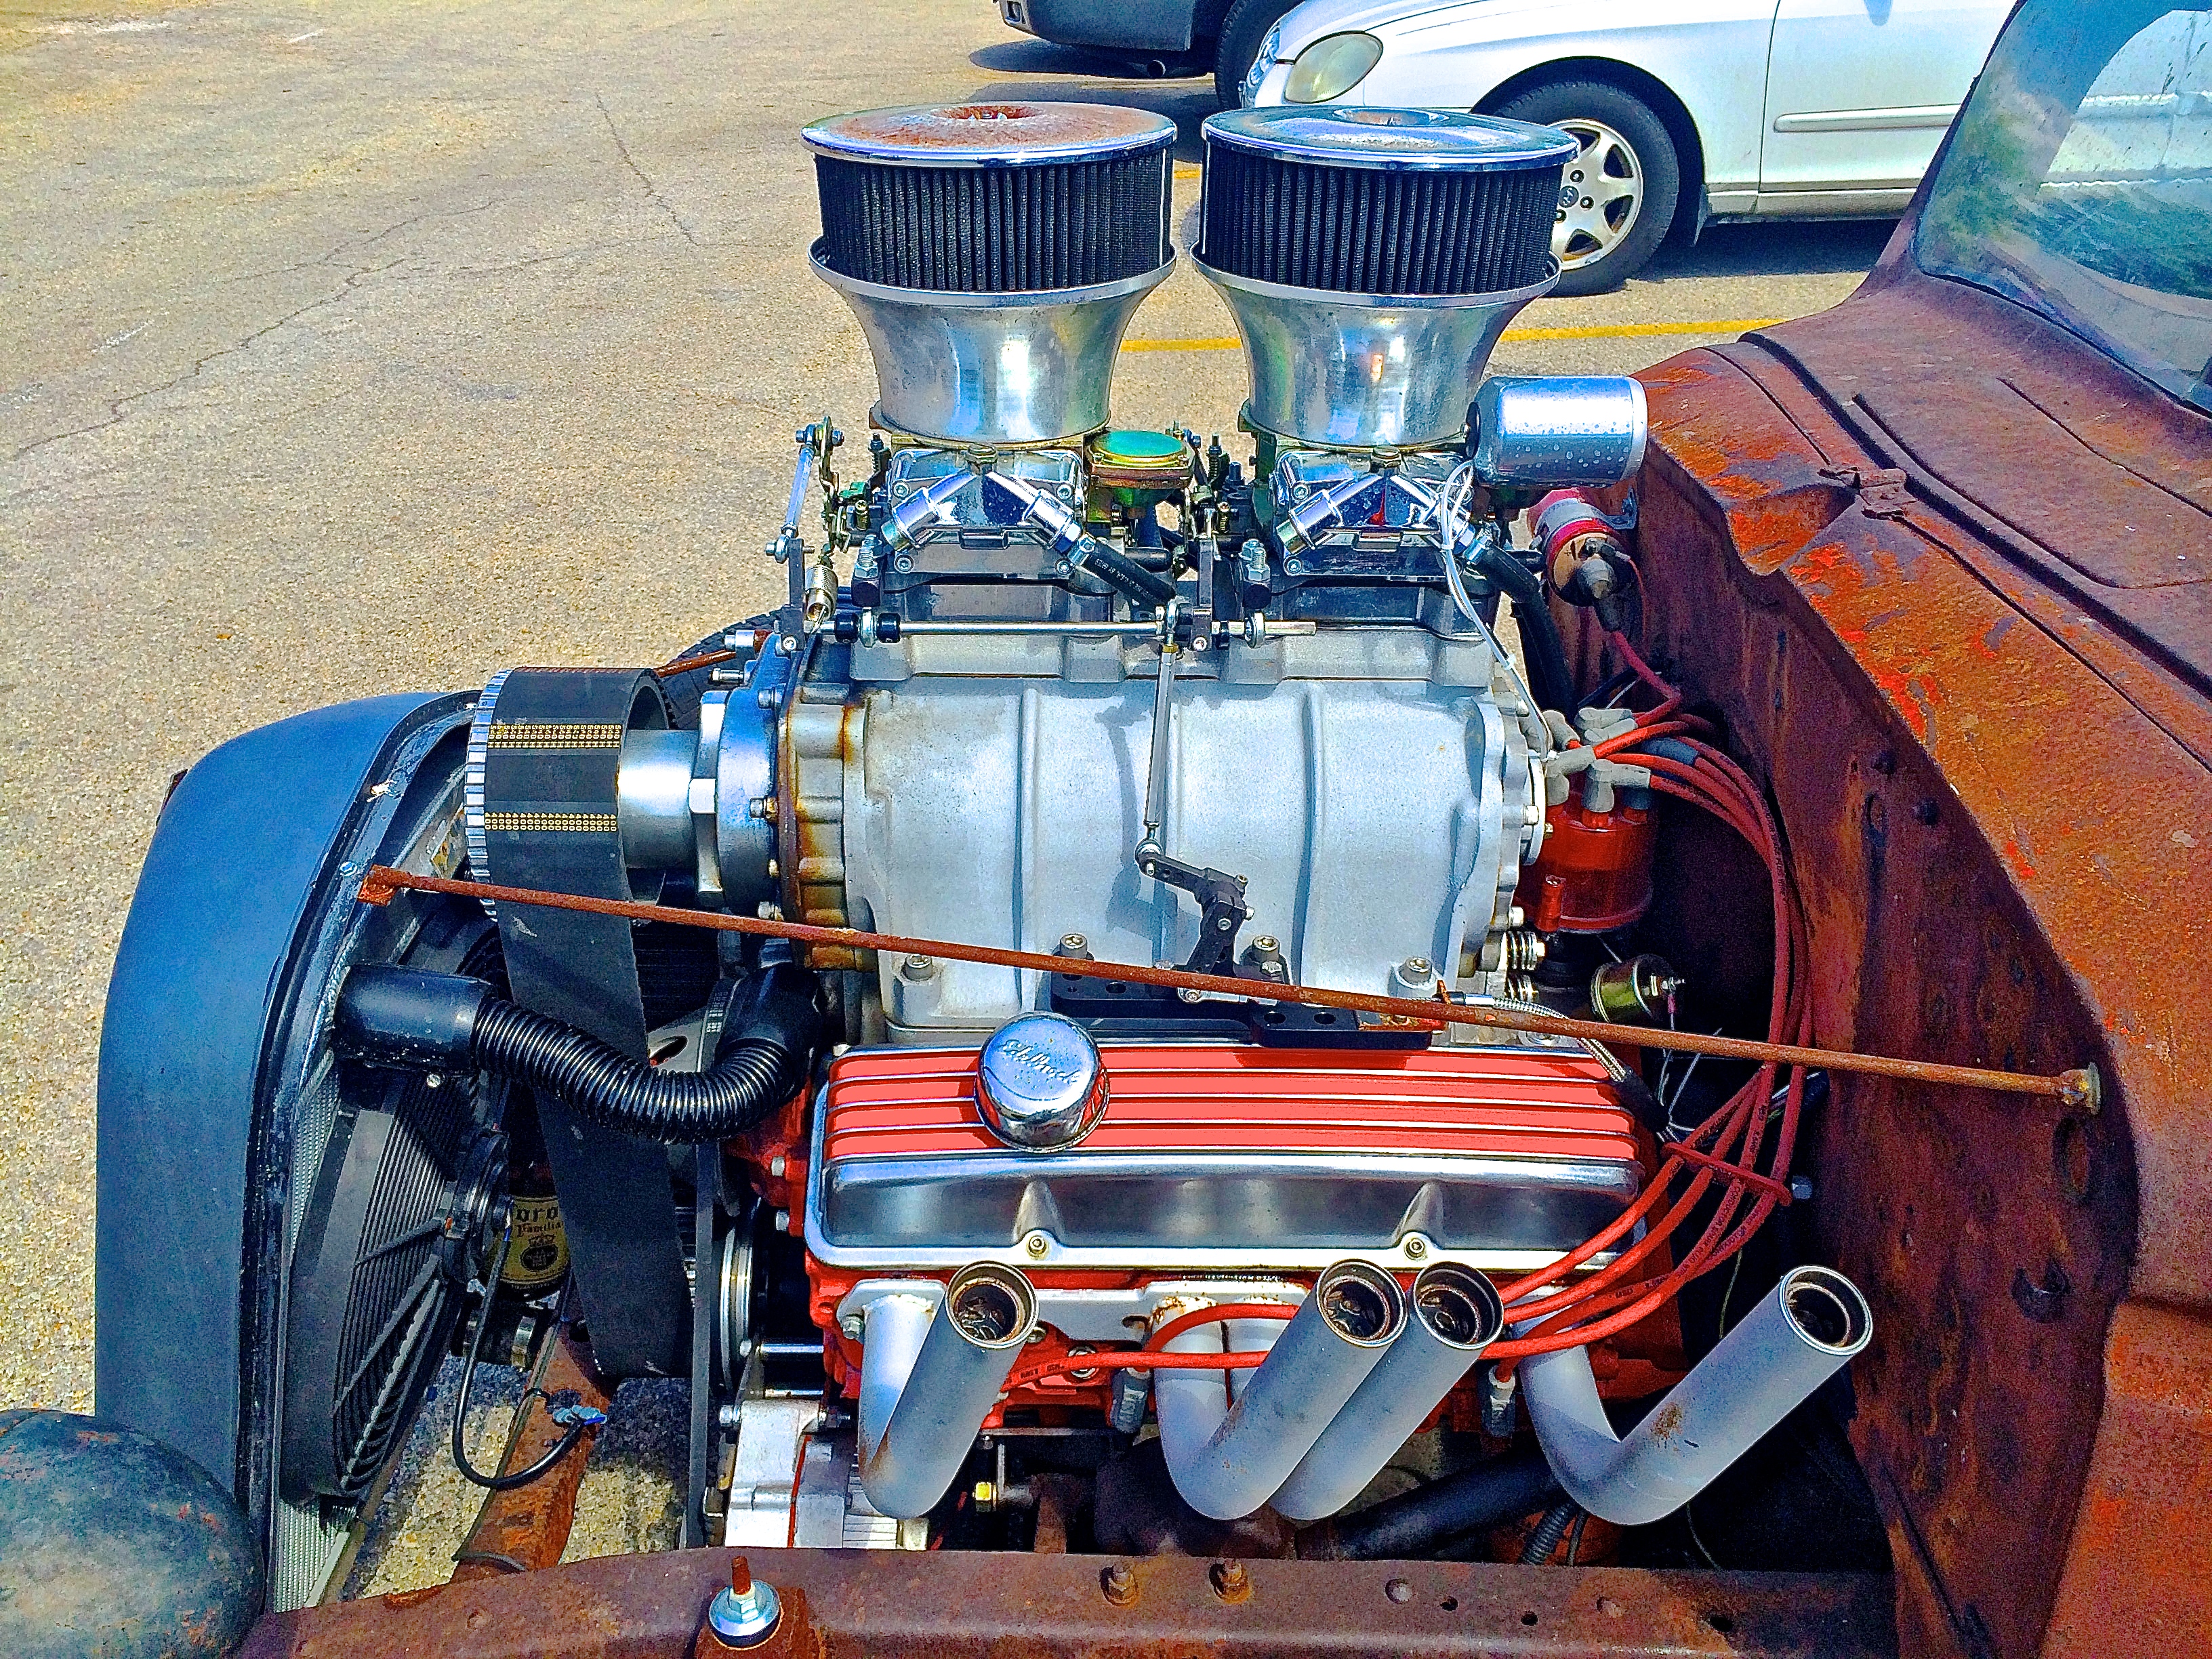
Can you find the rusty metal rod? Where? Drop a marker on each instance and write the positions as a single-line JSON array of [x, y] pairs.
[[2077, 1089]]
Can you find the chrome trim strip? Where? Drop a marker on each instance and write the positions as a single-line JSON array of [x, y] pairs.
[[1912, 117]]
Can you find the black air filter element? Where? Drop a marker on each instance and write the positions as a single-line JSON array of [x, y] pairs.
[[1381, 202], [993, 198]]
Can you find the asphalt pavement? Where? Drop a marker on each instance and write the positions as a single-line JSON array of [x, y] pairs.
[[350, 348]]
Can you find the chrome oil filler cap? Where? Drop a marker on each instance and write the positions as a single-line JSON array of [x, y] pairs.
[[1040, 1084]]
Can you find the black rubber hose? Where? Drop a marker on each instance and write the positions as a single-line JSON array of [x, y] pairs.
[[1134, 581], [1548, 675], [390, 1014], [1415, 1524], [1544, 1537]]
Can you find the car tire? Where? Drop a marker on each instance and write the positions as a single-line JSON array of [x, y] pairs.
[[1242, 28], [1610, 233]]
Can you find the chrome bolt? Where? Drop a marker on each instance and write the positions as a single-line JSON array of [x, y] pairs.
[[777, 1165], [1266, 945], [1073, 944], [1037, 1244], [903, 563], [783, 1221], [851, 1329], [745, 1615], [1416, 968], [1416, 1247], [918, 967]]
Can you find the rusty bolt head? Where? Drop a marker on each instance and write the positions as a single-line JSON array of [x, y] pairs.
[[1230, 1582], [1118, 1584]]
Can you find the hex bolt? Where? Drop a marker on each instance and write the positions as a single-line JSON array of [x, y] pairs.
[[1118, 1584], [1230, 1582], [918, 967], [745, 1615], [777, 1165], [851, 1327]]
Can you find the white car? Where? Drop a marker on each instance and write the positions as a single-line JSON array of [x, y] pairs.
[[1690, 110]]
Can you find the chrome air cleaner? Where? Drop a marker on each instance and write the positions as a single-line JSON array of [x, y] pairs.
[[1372, 257], [993, 253]]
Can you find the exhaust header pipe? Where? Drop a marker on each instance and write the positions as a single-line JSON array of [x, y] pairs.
[[929, 1375], [1793, 1341], [1456, 1315], [1228, 1460]]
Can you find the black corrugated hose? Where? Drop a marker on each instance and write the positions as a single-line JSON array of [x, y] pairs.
[[406, 1016], [1543, 1539]]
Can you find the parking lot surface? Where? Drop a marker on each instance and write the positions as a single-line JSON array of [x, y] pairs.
[[355, 348]]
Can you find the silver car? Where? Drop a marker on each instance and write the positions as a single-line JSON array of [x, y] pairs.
[[1687, 110]]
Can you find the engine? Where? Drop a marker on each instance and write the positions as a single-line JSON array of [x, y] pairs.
[[1073, 695]]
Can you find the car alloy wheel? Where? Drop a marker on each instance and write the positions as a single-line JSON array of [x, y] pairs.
[[1601, 195]]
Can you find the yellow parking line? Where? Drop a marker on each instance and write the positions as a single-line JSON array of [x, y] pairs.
[[1230, 344], [1606, 332]]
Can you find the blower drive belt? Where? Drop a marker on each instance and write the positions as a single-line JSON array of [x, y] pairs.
[[544, 753]]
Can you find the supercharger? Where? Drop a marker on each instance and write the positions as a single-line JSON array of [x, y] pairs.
[[988, 792]]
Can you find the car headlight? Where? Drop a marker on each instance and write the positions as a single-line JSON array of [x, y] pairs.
[[1331, 67], [1262, 61]]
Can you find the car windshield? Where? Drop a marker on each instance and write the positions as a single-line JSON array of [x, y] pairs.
[[2078, 181]]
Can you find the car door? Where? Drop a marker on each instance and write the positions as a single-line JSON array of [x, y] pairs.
[[1858, 92]]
